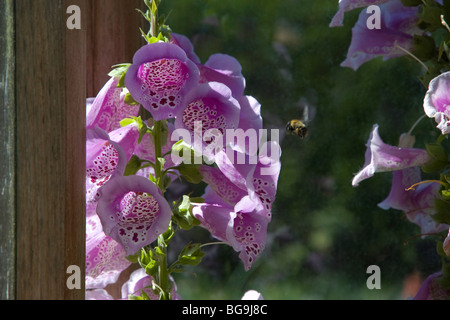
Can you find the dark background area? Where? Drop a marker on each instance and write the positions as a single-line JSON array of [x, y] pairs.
[[324, 232]]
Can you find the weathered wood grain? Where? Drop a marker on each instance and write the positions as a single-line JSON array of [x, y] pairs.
[[50, 164]]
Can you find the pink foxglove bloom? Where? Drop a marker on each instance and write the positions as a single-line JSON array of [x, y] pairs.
[[105, 258], [224, 69], [398, 26], [245, 231], [381, 157], [139, 281], [432, 290], [238, 203], [208, 111], [184, 43], [417, 204], [104, 158], [108, 108], [349, 5], [159, 78], [437, 101], [132, 211]]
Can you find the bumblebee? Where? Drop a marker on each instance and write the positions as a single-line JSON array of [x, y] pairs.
[[297, 127]]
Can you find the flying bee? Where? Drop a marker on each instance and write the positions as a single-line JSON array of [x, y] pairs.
[[299, 127]]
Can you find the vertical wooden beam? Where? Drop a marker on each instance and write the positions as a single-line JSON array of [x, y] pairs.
[[7, 152], [50, 110], [113, 38]]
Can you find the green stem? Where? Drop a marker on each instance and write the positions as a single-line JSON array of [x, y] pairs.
[[157, 143], [163, 274]]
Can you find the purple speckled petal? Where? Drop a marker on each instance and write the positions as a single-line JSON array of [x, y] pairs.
[[104, 158], [108, 108], [132, 211], [105, 258], [159, 78]]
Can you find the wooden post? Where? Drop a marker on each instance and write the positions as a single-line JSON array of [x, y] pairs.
[[113, 38], [47, 70], [50, 167]]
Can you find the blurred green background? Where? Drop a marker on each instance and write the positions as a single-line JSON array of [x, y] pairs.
[[324, 233]]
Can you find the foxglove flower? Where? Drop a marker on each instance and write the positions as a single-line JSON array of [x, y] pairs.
[[432, 290], [349, 5], [208, 111], [139, 281], [245, 231], [437, 101], [108, 108], [104, 159], [105, 258], [417, 204], [381, 157], [132, 211], [224, 69], [159, 78], [238, 203], [184, 43], [398, 27]]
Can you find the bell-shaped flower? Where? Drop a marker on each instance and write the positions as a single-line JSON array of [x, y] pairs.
[[184, 43], [245, 231], [249, 134], [398, 25], [105, 258], [141, 282], [238, 202], [208, 111], [417, 203], [104, 158], [108, 108], [159, 78], [132, 211], [431, 289], [437, 101], [224, 69], [349, 5], [381, 157]]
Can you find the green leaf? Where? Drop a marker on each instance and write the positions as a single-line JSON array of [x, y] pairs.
[[191, 255], [439, 158], [133, 166], [119, 70], [190, 172], [442, 214], [182, 214], [424, 47], [129, 100]]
